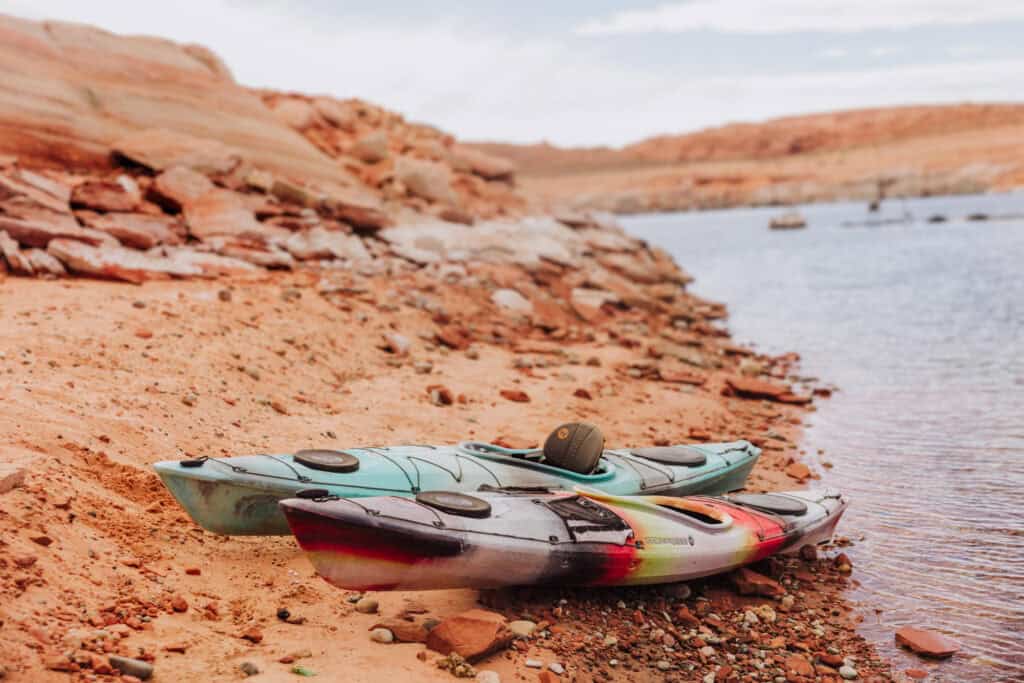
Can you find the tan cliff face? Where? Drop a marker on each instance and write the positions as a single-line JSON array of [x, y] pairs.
[[909, 151]]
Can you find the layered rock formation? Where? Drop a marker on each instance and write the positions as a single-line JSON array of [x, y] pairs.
[[900, 151]]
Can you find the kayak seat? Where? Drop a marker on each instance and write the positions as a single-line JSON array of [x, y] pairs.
[[327, 460], [684, 456], [574, 446], [769, 502]]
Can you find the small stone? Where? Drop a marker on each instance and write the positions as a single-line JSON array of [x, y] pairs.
[[515, 395], [249, 669], [224, 295], [253, 634], [927, 643], [534, 663], [382, 635], [132, 667], [679, 591], [707, 651], [848, 672], [611, 641], [488, 677], [522, 628], [367, 606], [556, 668], [179, 604], [283, 614], [423, 367], [663, 665], [189, 399]]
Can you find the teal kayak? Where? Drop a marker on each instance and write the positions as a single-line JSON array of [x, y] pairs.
[[239, 495]]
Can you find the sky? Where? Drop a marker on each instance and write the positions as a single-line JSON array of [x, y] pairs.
[[594, 72]]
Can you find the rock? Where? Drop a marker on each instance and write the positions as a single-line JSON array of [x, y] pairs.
[[522, 628], [512, 300], [18, 262], [178, 186], [371, 148], [798, 664], [534, 663], [515, 395], [43, 263], [12, 476], [472, 634], [39, 233], [253, 634], [106, 195], [440, 395], [587, 303], [248, 668], [747, 387], [809, 553], [132, 667], [207, 264], [556, 668], [663, 665], [748, 582], [159, 149], [798, 470], [927, 643], [179, 604], [848, 672], [224, 213], [488, 677], [396, 343], [118, 263], [138, 230], [367, 606], [426, 179], [294, 113], [487, 166], [321, 243], [916, 674], [843, 563], [336, 113], [381, 635]]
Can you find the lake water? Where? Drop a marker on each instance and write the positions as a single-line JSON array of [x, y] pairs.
[[921, 325]]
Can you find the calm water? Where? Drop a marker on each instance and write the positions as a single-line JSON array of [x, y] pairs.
[[922, 328]]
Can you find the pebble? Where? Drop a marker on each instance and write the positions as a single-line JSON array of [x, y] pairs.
[[189, 399], [707, 651], [610, 641], [848, 672], [249, 669], [382, 635], [488, 677], [367, 606], [664, 665], [557, 668], [534, 663], [522, 628]]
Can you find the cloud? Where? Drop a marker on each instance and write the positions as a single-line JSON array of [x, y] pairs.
[[834, 53], [787, 16], [486, 84]]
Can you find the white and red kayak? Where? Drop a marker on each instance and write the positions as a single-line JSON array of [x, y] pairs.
[[515, 538]]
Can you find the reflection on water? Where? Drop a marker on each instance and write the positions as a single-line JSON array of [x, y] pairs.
[[921, 325]]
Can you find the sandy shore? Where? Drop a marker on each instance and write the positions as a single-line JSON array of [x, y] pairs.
[[98, 380]]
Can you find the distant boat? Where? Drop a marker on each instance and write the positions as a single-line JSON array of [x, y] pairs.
[[791, 220]]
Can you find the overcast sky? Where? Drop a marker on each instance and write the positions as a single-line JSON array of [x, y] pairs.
[[595, 71]]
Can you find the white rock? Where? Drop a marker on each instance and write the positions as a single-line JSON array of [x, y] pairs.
[[512, 300], [488, 677], [848, 672], [534, 663], [381, 635]]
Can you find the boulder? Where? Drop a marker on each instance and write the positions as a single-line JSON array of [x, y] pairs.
[[117, 262], [426, 179], [748, 582], [178, 187], [121, 194], [927, 643], [223, 213], [487, 166], [472, 634], [336, 113], [158, 149], [371, 148], [138, 230], [294, 113]]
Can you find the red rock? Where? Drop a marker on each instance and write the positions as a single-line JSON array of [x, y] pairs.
[[178, 647], [927, 643], [686, 618], [118, 263], [177, 187], [159, 149], [426, 179], [835, 661], [440, 395], [107, 195], [794, 399], [253, 634], [472, 634], [798, 470], [371, 148], [24, 561], [699, 434], [453, 337], [680, 376], [16, 260], [724, 674], [39, 233], [516, 395], [137, 230], [143, 333], [193, 571], [843, 563], [583, 393], [223, 213], [747, 387], [748, 582], [42, 540], [61, 663], [799, 665], [43, 263], [179, 604], [809, 553], [487, 166], [547, 677], [916, 674]]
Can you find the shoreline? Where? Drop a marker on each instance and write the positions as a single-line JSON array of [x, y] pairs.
[[95, 378]]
